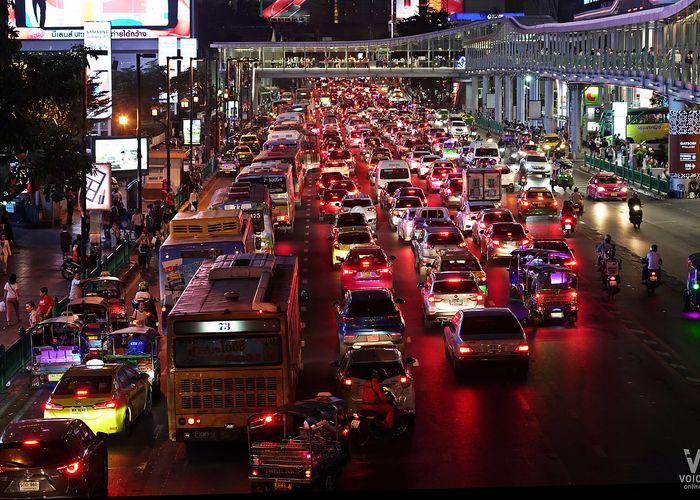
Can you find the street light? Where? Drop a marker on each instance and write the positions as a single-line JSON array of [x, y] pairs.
[[184, 103], [167, 119], [123, 120], [138, 127], [154, 111]]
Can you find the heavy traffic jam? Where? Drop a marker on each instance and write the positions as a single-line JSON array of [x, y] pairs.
[[423, 232]]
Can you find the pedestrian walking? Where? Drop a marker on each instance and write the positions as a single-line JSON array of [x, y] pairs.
[[11, 299], [75, 291], [65, 237], [7, 226], [32, 313], [194, 198], [5, 252], [45, 303], [143, 249], [137, 222], [156, 242]]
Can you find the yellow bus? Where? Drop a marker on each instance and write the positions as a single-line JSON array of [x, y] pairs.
[[643, 124], [233, 346], [278, 179]]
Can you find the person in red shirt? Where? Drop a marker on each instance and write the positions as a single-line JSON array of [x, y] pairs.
[[45, 303], [373, 399]]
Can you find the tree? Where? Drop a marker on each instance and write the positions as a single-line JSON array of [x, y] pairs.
[[426, 21]]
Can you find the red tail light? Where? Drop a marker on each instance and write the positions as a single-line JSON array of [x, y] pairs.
[[522, 348], [106, 405], [495, 243], [570, 263], [384, 270], [482, 225], [70, 469], [52, 406], [395, 335], [433, 299], [347, 382], [81, 392], [448, 191], [30, 442], [525, 203], [349, 319], [163, 309], [465, 349], [568, 221], [525, 241], [480, 297], [348, 271], [323, 202]]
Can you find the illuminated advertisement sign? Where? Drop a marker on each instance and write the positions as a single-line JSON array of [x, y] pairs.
[[97, 36], [285, 10], [64, 19], [99, 188], [120, 153], [591, 96], [196, 132], [684, 142], [406, 9]]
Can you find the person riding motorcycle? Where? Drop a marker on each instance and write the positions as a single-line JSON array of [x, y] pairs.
[[605, 250], [633, 200], [652, 262], [568, 212], [577, 198], [522, 169], [140, 315], [143, 293], [374, 399]]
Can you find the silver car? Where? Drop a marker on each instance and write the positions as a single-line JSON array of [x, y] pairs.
[[404, 228], [445, 293], [399, 206], [355, 368]]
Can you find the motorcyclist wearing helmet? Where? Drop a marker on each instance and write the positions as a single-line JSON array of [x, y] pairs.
[[374, 399], [143, 293], [606, 249], [522, 170], [577, 197]]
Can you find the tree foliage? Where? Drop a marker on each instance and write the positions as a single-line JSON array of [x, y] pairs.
[[426, 21]]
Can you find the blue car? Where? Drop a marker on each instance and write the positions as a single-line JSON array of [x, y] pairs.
[[369, 318]]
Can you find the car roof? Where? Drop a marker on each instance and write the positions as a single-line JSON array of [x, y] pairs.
[[539, 189], [489, 311], [369, 295], [373, 355], [359, 196], [38, 428], [353, 229], [497, 225], [446, 275], [366, 248], [442, 229], [85, 370], [494, 210]]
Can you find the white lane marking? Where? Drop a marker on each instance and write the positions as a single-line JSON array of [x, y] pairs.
[[693, 380], [306, 242], [306, 233], [304, 282], [26, 406], [306, 250], [677, 366], [305, 259], [302, 308], [303, 325], [663, 353]]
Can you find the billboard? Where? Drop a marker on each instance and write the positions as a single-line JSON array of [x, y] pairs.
[[285, 10], [120, 152], [64, 19], [684, 142], [196, 132], [591, 96], [98, 37], [98, 188], [404, 9]]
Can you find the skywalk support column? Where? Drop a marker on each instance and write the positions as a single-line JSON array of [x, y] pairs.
[[485, 92], [468, 97], [549, 122], [508, 97], [574, 100], [498, 108], [520, 98], [475, 94]]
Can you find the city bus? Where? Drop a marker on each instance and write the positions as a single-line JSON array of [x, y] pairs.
[[289, 156], [311, 149], [643, 124], [277, 178], [233, 346], [194, 237], [255, 201]]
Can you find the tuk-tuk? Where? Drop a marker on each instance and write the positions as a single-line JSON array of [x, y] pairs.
[[550, 292], [562, 174], [138, 347], [509, 135], [111, 289], [302, 444], [94, 313], [691, 294], [56, 345], [522, 259]]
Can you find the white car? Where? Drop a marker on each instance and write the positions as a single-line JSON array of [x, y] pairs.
[[467, 215], [336, 166], [228, 164], [399, 206], [414, 159], [508, 176], [425, 163], [537, 165], [361, 203], [457, 128], [446, 293], [404, 228]]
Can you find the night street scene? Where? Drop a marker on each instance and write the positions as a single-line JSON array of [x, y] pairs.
[[440, 247]]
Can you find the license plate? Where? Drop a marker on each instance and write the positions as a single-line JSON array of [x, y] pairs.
[[283, 485], [494, 348], [567, 226], [456, 302], [29, 486], [54, 377], [78, 409], [355, 424], [536, 205], [557, 314], [372, 338], [366, 274]]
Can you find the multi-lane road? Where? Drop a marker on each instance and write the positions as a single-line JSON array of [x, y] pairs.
[[612, 400]]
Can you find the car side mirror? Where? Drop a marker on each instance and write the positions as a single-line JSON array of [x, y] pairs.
[[399, 301], [410, 361], [335, 364]]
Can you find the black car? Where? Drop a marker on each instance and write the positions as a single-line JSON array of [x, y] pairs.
[[43, 458]]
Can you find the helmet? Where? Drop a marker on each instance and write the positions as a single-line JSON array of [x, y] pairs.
[[608, 238], [654, 248], [576, 189], [143, 286]]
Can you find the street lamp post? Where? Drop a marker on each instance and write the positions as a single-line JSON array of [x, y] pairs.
[[167, 119], [139, 192]]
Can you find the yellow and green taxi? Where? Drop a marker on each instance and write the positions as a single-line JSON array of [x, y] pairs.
[[107, 397], [250, 140], [551, 142], [347, 238], [244, 155], [460, 259]]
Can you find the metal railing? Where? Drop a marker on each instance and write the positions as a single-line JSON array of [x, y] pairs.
[[14, 359], [493, 126], [632, 175]]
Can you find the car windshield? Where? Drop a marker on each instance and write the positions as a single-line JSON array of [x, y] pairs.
[[347, 220], [434, 213], [486, 152], [334, 194], [498, 217], [508, 231], [460, 265], [375, 257], [445, 238], [364, 370], [330, 176], [490, 325], [535, 158], [407, 202], [394, 173], [44, 454], [607, 179], [357, 238], [441, 171], [455, 285], [458, 124], [418, 154], [456, 184], [94, 384], [539, 194], [358, 202], [377, 307], [340, 155], [551, 245]]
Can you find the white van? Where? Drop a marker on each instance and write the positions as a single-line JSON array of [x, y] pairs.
[[289, 117], [389, 170], [483, 149], [276, 135]]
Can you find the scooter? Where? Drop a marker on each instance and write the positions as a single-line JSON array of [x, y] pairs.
[[522, 181], [578, 208], [610, 274], [367, 424], [68, 268], [636, 214], [568, 225], [653, 281]]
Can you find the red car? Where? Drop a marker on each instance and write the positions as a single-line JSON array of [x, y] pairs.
[[605, 185], [330, 203], [325, 180], [345, 184], [366, 266]]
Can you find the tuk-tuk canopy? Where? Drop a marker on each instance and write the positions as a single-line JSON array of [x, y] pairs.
[[144, 331], [694, 260], [92, 301], [108, 285], [312, 410]]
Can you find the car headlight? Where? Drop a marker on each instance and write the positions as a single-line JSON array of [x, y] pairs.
[[601, 189], [514, 155], [547, 147]]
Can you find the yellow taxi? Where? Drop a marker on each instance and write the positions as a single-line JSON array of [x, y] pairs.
[[551, 142], [347, 238], [107, 397]]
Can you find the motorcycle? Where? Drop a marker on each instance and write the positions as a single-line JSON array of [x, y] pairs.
[[636, 216], [69, 267], [610, 274], [568, 225], [578, 208], [653, 280], [150, 307], [522, 181], [367, 424]]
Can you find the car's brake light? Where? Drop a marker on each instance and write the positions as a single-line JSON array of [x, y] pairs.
[[495, 243], [347, 382], [433, 299], [82, 392], [525, 203], [52, 406], [454, 280], [30, 442], [465, 349], [568, 221], [480, 297], [525, 241], [384, 270], [522, 348], [106, 405], [349, 319], [70, 469], [348, 271]]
